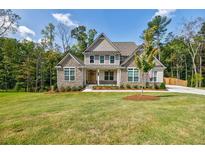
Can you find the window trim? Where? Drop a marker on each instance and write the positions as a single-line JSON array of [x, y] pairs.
[[109, 59], [138, 74], [93, 59], [153, 76], [103, 59], [69, 74]]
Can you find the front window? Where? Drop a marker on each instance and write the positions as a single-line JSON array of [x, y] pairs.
[[133, 75], [109, 76], [92, 59], [69, 74], [154, 76], [112, 59], [102, 59]]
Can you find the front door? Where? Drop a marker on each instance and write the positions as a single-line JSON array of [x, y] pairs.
[[92, 77]]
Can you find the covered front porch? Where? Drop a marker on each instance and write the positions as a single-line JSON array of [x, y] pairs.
[[102, 76]]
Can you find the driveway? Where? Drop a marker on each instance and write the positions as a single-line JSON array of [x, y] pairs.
[[181, 89]]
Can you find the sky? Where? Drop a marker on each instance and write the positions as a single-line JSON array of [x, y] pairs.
[[118, 25]]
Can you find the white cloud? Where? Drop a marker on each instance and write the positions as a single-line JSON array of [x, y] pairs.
[[65, 19], [39, 40], [164, 12], [25, 31], [28, 38]]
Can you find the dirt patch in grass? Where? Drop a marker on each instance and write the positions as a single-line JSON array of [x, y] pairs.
[[141, 97]]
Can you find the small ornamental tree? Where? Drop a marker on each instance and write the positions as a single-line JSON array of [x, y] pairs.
[[145, 61]]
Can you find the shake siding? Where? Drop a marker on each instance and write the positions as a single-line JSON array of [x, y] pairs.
[[102, 45]]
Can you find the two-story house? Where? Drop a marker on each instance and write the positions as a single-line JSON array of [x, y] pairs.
[[105, 62]]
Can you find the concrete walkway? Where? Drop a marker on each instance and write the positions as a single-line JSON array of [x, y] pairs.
[[170, 88]]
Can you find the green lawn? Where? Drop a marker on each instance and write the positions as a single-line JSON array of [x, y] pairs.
[[101, 118]]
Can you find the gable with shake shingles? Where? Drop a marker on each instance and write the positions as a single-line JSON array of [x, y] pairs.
[[102, 44]]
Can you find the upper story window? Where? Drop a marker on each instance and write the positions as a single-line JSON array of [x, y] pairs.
[[133, 75], [112, 59], [69, 74], [92, 59], [102, 59]]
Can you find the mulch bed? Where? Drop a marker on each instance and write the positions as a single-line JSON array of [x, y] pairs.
[[141, 97]]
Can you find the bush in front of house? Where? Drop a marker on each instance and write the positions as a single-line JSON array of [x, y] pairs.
[[128, 86], [114, 87], [156, 86], [74, 88], [62, 89], [162, 85], [122, 86], [80, 88], [68, 88], [147, 85], [135, 87]]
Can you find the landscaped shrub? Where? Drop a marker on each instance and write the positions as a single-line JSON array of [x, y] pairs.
[[105, 87], [68, 88], [135, 86], [156, 86], [74, 88], [62, 89], [147, 85], [80, 88], [122, 86], [114, 87], [162, 86], [128, 86]]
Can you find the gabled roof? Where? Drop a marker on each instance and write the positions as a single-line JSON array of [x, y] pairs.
[[74, 57], [126, 48], [101, 36], [139, 50]]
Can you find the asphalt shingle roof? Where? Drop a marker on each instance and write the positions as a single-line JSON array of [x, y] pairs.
[[126, 48]]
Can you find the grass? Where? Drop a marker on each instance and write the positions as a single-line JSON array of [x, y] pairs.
[[101, 118]]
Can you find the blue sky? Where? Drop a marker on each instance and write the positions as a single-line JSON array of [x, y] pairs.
[[118, 25]]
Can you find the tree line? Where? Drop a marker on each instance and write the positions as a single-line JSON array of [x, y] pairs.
[[30, 66], [182, 53]]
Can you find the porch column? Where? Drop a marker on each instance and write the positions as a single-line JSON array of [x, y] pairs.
[[118, 77], [98, 77]]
